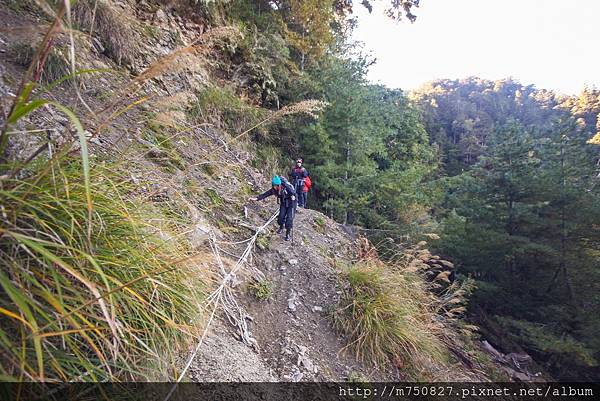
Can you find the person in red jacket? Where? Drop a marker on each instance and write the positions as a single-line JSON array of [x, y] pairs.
[[307, 185]]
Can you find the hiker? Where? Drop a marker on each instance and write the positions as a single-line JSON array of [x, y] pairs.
[[298, 175], [307, 185], [286, 197]]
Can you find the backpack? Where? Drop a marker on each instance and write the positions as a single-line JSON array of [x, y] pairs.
[[307, 184]]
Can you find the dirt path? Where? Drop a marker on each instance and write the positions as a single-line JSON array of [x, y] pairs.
[[293, 328]]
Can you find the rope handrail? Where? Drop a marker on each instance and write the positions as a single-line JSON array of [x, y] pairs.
[[224, 296]]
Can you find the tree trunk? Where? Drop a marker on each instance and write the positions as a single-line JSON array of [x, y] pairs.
[[563, 221], [302, 54], [346, 209]]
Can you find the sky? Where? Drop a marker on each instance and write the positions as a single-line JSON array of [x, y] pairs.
[[553, 44]]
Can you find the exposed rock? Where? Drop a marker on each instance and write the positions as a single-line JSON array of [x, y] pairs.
[[292, 301], [160, 16], [302, 349], [305, 362], [156, 153], [295, 376], [221, 350], [515, 364], [201, 232], [97, 46]]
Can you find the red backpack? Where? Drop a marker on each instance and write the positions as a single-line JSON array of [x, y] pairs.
[[307, 184]]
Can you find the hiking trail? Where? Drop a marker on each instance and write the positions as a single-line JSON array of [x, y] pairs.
[[295, 339]]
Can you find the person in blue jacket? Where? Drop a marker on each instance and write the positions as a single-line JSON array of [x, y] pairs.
[[286, 197]]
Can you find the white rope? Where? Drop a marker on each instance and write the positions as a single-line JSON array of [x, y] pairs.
[[233, 243], [230, 254], [224, 296], [189, 363]]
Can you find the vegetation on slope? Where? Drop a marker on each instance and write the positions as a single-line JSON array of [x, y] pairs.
[[502, 171], [90, 299], [407, 315], [385, 316], [102, 282], [97, 282]]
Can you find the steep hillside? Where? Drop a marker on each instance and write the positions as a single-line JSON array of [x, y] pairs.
[[132, 252]]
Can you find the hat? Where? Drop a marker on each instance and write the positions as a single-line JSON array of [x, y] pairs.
[[276, 180]]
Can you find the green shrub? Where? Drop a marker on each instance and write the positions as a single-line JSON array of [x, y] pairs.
[[262, 290], [209, 169], [151, 31], [320, 224], [235, 113], [541, 338], [170, 156], [214, 197], [263, 242], [270, 159]]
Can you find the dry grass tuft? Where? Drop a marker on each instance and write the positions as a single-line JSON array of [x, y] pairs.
[[178, 101], [386, 316], [56, 64], [310, 107], [187, 56], [394, 316], [170, 118], [595, 140], [116, 32]]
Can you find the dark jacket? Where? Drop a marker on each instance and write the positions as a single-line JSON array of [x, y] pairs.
[[298, 173], [284, 196]]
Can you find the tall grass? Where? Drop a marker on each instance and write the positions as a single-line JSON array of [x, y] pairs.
[[79, 307], [117, 33], [386, 316], [56, 64]]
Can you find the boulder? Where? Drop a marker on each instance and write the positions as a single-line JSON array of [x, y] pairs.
[[446, 263]]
